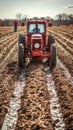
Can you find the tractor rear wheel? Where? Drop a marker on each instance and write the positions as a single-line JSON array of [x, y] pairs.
[[21, 59], [53, 56]]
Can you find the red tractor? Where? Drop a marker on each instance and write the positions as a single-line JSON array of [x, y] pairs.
[[37, 44]]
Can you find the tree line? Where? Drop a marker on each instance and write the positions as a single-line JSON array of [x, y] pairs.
[[60, 19], [64, 19]]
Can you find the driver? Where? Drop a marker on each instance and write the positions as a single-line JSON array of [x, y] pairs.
[[34, 30]]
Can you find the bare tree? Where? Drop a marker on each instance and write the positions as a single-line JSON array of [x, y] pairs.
[[24, 18], [19, 16], [64, 16], [70, 16], [59, 17]]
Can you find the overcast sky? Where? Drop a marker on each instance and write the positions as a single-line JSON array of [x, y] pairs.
[[39, 8]]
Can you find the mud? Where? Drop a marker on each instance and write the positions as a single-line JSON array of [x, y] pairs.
[[35, 100], [66, 59], [15, 103], [35, 110], [61, 66], [55, 108], [65, 93], [7, 79]]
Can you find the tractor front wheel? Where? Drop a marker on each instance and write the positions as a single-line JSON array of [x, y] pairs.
[[53, 56], [20, 55], [21, 44]]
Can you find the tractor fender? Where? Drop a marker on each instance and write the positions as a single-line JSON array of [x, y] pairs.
[[21, 39], [53, 57], [51, 39]]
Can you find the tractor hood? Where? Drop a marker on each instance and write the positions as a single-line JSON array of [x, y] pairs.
[[36, 40], [36, 36]]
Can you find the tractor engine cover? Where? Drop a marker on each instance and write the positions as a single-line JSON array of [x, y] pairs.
[[36, 42]]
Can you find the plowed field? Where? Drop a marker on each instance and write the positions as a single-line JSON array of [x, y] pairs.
[[35, 98]]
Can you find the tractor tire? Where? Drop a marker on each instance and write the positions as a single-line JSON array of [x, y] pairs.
[[21, 59], [53, 58], [20, 55], [21, 39], [51, 39]]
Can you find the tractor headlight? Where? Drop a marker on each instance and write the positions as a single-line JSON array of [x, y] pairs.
[[36, 45]]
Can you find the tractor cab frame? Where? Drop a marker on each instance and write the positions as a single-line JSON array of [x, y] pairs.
[[36, 44]]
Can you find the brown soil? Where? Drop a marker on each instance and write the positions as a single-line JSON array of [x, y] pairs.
[[65, 93], [8, 78], [35, 111]]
